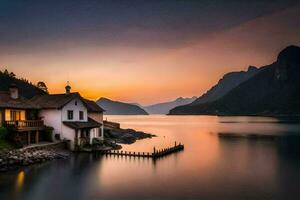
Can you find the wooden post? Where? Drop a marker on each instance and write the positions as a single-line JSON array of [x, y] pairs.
[[154, 150], [28, 137], [37, 136], [76, 139], [175, 144]]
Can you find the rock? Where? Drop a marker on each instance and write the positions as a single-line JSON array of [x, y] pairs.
[[13, 159], [127, 136]]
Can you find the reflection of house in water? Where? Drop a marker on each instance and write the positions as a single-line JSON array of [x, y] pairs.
[[71, 117]]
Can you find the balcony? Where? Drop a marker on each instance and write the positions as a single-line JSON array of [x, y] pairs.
[[25, 125]]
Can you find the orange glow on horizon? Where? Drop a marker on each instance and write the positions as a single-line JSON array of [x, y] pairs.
[[152, 75]]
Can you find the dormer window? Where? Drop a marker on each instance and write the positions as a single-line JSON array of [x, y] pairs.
[[70, 114]]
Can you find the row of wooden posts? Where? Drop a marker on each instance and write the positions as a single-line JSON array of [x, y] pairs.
[[155, 154]]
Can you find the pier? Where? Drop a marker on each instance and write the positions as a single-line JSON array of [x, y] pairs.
[[157, 153]]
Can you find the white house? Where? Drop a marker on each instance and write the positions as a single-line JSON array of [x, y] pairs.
[[72, 117]]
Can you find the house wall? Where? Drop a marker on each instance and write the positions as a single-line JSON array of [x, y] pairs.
[[69, 134], [99, 118], [52, 117], [76, 108], [8, 117], [96, 116]]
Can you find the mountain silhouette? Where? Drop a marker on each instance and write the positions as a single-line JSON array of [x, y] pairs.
[[164, 108], [273, 90], [119, 108]]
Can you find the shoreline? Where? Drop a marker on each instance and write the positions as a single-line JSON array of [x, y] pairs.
[[13, 159], [30, 155], [236, 115]]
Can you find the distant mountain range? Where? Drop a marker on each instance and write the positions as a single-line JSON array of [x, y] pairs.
[[272, 90], [164, 108], [119, 108]]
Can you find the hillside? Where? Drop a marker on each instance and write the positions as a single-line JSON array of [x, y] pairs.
[[274, 90], [225, 84], [119, 108], [164, 108], [26, 89]]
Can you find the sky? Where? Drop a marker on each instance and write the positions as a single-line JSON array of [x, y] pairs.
[[144, 51]]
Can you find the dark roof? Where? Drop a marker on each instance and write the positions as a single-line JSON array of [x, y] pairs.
[[46, 101], [92, 106], [21, 103], [79, 125], [54, 101]]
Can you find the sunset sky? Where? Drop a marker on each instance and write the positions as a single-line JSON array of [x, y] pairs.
[[143, 51]]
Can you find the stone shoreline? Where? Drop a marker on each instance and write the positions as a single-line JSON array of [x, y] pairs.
[[15, 159], [18, 158]]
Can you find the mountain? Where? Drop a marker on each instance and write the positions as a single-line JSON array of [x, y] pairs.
[[225, 84], [26, 89], [164, 108], [120, 108], [273, 90]]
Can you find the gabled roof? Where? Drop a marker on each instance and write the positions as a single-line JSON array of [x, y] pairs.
[[79, 125], [57, 101], [53, 101], [20, 103], [92, 106]]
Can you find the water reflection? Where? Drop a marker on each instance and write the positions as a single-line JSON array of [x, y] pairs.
[[20, 181], [210, 167]]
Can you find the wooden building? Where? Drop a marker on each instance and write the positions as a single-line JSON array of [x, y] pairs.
[[20, 117]]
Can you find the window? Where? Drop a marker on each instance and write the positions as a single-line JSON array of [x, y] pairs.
[[81, 115], [15, 115], [70, 114], [75, 103]]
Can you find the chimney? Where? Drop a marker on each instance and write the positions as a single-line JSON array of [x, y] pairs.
[[68, 88], [14, 91]]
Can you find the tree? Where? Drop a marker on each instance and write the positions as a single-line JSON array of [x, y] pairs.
[[6, 72], [11, 74], [42, 86]]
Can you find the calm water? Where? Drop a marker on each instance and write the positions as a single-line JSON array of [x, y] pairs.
[[209, 168]]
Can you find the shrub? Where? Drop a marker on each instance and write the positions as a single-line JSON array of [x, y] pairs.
[[96, 141], [47, 134], [3, 133]]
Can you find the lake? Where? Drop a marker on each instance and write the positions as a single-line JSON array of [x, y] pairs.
[[210, 167]]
